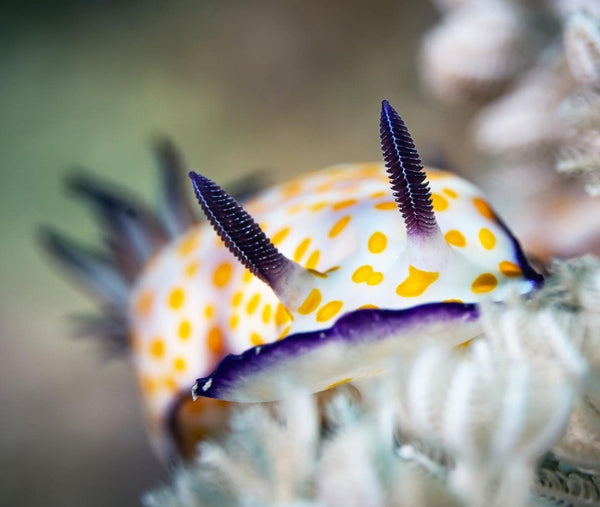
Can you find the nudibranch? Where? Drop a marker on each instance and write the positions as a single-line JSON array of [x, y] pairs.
[[315, 282]]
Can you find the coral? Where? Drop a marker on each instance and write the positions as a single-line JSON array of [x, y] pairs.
[[510, 419]]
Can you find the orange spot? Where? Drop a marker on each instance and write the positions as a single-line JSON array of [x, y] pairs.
[[368, 307], [184, 330], [484, 283], [329, 310], [344, 204], [456, 238], [377, 195], [148, 384], [253, 304], [433, 174], [282, 315], [301, 249], [487, 238], [157, 348], [280, 235], [144, 303], [234, 321], [377, 242], [416, 283], [266, 314], [450, 193], [339, 383], [214, 340], [313, 260], [291, 189], [191, 269], [339, 226], [318, 206], [509, 269], [170, 384], [310, 303], [483, 207], [188, 244], [222, 274], [179, 364], [236, 299], [256, 339], [176, 298], [439, 202], [209, 311], [386, 205]]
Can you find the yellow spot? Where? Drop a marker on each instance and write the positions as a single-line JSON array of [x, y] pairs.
[[509, 269], [253, 304], [416, 283], [375, 278], [487, 238], [456, 238], [144, 303], [450, 193], [329, 310], [318, 206], [280, 235], [284, 333], [157, 348], [362, 273], [214, 340], [266, 314], [310, 303], [234, 321], [386, 205], [191, 268], [209, 311], [483, 207], [247, 276], [179, 364], [282, 315], [184, 330], [339, 226], [256, 339], [301, 249], [188, 244], [344, 204], [176, 298], [452, 301], [368, 307], [295, 208], [377, 242], [484, 283], [439, 202], [339, 383], [367, 275], [465, 345], [377, 195], [313, 260], [222, 274], [236, 299]]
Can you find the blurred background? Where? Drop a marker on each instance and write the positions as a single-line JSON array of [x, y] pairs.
[[283, 87]]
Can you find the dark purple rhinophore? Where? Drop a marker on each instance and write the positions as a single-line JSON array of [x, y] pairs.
[[406, 174], [241, 234]]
